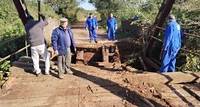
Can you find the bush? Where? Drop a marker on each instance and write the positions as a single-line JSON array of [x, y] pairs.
[[4, 70]]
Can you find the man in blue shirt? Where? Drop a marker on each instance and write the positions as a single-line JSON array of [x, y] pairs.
[[91, 25], [62, 42], [171, 45], [111, 27]]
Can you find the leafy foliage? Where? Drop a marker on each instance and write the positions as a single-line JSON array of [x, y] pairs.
[[192, 63], [5, 66], [10, 24], [4, 69], [188, 15], [11, 28], [65, 8], [126, 9]]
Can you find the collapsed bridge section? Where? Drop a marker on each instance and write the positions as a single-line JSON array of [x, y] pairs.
[[99, 54]]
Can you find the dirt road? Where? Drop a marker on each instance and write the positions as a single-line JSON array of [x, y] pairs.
[[98, 86]]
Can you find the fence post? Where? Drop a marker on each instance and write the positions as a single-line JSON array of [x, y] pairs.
[[26, 45]]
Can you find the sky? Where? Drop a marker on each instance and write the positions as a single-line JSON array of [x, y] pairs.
[[86, 5]]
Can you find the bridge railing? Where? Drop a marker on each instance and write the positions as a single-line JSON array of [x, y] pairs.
[[17, 51], [182, 49]]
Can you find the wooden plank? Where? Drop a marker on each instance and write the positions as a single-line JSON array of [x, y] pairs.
[[105, 53], [41, 101], [80, 57], [191, 92], [21, 11]]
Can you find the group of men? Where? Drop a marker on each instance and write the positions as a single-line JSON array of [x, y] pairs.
[[171, 41], [63, 42], [91, 24]]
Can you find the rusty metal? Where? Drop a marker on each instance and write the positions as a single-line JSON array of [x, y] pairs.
[[80, 56], [100, 54]]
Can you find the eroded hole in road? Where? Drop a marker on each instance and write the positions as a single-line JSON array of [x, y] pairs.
[[97, 54]]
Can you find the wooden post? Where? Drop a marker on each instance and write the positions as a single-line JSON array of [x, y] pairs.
[[21, 11], [26, 43], [153, 32], [105, 53], [39, 9], [159, 21]]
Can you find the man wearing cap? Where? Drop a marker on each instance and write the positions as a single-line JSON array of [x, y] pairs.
[[36, 38], [171, 45], [63, 41]]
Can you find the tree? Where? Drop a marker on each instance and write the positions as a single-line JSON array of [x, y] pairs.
[[65, 8]]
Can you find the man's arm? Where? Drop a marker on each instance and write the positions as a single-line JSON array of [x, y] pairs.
[[72, 38], [86, 24], [115, 24], [107, 22], [167, 37], [54, 39], [96, 23]]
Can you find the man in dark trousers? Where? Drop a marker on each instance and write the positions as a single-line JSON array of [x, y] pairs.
[[35, 31], [63, 42]]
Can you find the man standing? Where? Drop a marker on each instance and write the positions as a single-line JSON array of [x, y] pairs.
[[62, 42], [111, 27], [36, 38], [91, 25], [95, 22], [171, 45]]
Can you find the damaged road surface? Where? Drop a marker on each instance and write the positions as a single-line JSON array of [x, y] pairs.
[[98, 86]]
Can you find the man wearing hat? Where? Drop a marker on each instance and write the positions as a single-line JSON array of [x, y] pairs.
[[36, 38], [171, 45], [63, 41]]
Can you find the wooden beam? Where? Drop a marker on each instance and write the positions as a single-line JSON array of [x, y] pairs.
[[21, 11], [159, 21]]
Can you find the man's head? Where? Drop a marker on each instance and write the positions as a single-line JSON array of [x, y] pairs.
[[64, 22], [29, 18], [111, 15], [90, 15], [171, 17]]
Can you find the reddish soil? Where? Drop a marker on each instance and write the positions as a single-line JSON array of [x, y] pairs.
[[92, 86]]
